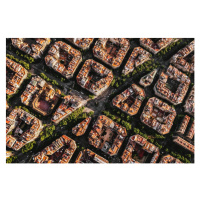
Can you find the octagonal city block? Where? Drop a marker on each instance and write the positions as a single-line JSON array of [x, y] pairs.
[[59, 151], [94, 77], [172, 85], [158, 115], [24, 127], [63, 58], [107, 135], [111, 50], [144, 150], [40, 95], [130, 100]]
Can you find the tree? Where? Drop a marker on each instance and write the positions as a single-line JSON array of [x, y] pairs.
[[118, 120], [91, 113], [62, 79], [43, 75], [91, 96], [113, 82], [11, 159], [117, 84], [54, 82], [126, 125], [128, 117], [29, 75], [134, 72], [151, 140], [113, 117], [106, 113], [28, 147]]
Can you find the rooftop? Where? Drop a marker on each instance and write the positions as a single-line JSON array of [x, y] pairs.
[[156, 45], [81, 127], [88, 156], [83, 43], [147, 79], [32, 46], [186, 128], [15, 74], [183, 143], [169, 159], [181, 61], [60, 151], [70, 104], [137, 57], [189, 104], [130, 100]]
